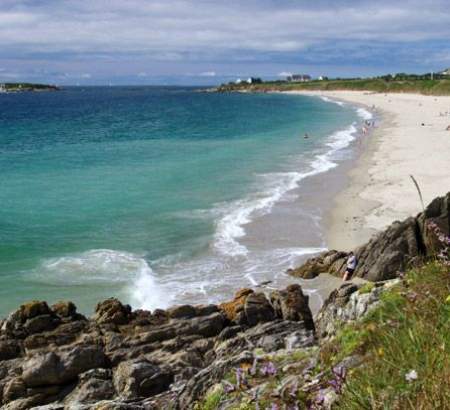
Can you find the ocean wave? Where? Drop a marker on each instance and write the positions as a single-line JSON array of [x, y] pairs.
[[104, 267], [364, 114], [230, 227], [327, 99]]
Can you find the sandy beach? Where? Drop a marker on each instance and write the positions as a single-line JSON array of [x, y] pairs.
[[410, 138]]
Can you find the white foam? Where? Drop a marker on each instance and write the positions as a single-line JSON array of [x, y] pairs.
[[364, 114], [103, 267], [230, 227], [341, 103]]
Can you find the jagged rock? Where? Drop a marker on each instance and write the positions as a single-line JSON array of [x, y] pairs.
[[14, 324], [112, 311], [93, 386], [183, 311], [64, 309], [9, 349], [236, 306], [41, 323], [329, 261], [54, 369], [14, 389], [401, 245], [347, 304], [292, 304], [257, 309], [140, 378]]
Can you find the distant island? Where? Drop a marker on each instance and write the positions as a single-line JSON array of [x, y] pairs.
[[428, 84], [26, 87]]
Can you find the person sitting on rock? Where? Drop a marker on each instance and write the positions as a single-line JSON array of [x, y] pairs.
[[351, 266]]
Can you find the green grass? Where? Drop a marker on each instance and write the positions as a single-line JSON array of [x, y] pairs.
[[428, 87], [410, 331]]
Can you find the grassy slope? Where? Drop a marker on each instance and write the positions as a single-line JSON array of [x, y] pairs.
[[410, 330], [429, 87]]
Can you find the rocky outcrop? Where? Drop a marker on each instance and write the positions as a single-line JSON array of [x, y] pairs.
[[401, 245], [350, 302], [56, 358]]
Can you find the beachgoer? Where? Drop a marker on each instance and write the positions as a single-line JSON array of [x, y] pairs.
[[351, 266]]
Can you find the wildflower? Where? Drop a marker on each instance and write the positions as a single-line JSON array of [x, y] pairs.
[[268, 369], [411, 376], [447, 300], [380, 352]]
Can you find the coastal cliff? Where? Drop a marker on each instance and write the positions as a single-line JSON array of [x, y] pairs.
[[258, 350]]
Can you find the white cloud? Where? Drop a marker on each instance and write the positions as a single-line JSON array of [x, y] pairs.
[[284, 74], [208, 74]]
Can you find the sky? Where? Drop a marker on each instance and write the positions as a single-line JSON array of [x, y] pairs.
[[90, 42]]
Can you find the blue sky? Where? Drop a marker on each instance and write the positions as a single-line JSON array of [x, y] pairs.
[[208, 41]]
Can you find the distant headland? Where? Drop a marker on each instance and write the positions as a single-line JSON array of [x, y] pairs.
[[26, 87], [427, 84]]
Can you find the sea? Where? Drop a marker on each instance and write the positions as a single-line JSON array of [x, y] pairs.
[[163, 195]]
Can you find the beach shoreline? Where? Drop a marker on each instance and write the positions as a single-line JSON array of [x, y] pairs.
[[410, 130]]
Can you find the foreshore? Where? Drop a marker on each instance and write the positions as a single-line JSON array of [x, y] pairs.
[[410, 138]]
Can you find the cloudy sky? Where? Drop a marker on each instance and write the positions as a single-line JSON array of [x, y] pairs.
[[209, 41]]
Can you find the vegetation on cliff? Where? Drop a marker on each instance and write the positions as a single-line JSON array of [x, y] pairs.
[[396, 357], [380, 85], [22, 87]]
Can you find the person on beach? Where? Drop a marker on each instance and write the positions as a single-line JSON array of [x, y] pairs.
[[351, 266]]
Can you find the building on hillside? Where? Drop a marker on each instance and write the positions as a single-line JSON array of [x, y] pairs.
[[2, 88], [299, 78]]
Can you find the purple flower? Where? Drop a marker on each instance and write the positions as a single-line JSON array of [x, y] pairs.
[[268, 369]]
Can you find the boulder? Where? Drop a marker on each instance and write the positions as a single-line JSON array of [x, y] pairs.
[[140, 378], [93, 386], [112, 311], [398, 247], [257, 309], [182, 311], [9, 349], [52, 368], [234, 307], [64, 309], [292, 304]]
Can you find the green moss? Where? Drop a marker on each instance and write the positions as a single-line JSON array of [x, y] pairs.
[[366, 288], [211, 400]]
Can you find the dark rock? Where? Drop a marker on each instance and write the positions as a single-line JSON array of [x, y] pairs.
[[9, 349], [41, 323], [112, 311], [292, 304], [233, 308], [64, 309], [14, 389], [183, 311], [257, 309], [52, 368], [401, 245], [93, 386], [140, 378]]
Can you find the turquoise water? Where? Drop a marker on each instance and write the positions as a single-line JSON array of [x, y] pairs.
[[144, 192]]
